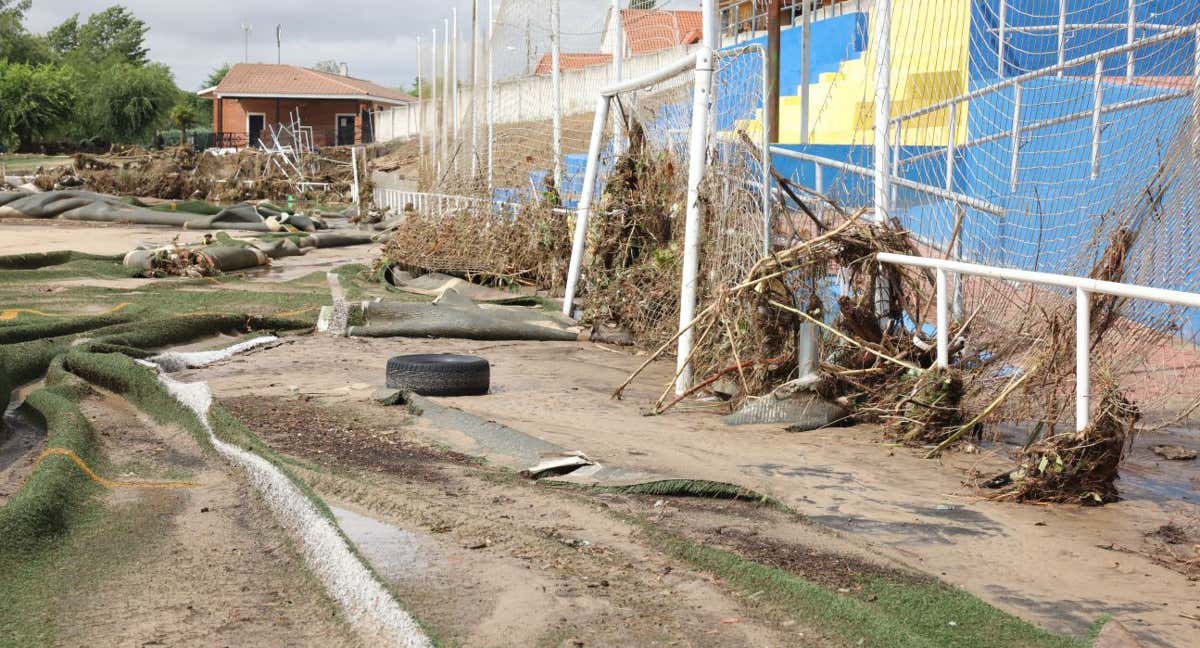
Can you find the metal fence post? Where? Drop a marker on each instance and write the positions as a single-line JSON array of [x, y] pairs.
[[950, 146], [1062, 33], [1003, 19], [1097, 106], [556, 83], [1083, 336], [1016, 138], [882, 18], [943, 321], [1130, 35]]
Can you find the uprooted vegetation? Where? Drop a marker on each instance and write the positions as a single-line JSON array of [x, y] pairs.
[[1012, 350], [183, 174]]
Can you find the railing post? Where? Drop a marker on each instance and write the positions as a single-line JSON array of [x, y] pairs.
[[1062, 34], [1097, 105], [820, 177], [943, 322], [1130, 35], [1016, 137], [1083, 336], [898, 140], [1000, 47], [950, 147]]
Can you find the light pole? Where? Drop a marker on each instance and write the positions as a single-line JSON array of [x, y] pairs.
[[246, 28]]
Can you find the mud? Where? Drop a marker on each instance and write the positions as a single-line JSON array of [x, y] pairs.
[[211, 567], [905, 508]]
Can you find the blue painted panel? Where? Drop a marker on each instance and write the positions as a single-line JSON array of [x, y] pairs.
[[833, 40]]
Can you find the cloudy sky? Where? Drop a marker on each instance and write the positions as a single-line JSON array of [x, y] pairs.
[[376, 38]]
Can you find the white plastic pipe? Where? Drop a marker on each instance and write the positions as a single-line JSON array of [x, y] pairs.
[[881, 35], [556, 89], [1083, 369], [583, 211]]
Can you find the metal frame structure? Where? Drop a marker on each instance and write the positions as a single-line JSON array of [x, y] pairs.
[[1096, 113], [1083, 287]]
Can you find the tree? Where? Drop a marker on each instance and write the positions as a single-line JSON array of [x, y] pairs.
[[64, 38], [643, 4], [126, 102], [216, 76], [16, 44], [330, 66], [424, 90], [35, 102], [112, 34], [183, 116], [204, 107]]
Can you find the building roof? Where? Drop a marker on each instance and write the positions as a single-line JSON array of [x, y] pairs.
[[572, 61], [650, 30], [267, 80]]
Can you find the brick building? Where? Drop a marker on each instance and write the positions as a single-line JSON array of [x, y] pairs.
[[338, 107]]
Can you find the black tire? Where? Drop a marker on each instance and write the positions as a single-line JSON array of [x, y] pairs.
[[439, 374]]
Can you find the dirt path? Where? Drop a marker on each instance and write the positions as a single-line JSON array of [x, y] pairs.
[[487, 559], [1045, 564], [210, 567], [20, 443]]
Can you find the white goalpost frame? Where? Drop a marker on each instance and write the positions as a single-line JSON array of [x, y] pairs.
[[702, 61]]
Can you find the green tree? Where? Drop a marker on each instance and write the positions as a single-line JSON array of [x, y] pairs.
[[216, 76], [16, 44], [125, 102], [35, 102], [423, 90], [64, 38], [112, 33], [183, 117]]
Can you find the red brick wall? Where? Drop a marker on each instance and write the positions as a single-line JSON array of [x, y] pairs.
[[320, 114]]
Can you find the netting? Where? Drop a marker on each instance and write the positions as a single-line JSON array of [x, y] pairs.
[[1046, 136]]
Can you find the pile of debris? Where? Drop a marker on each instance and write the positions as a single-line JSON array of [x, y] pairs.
[[220, 176]]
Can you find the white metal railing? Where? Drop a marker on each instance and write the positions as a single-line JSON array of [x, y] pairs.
[[399, 200], [1130, 27], [896, 181], [1096, 112], [438, 203], [1084, 287]]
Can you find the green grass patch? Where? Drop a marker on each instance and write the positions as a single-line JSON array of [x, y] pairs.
[[886, 614]]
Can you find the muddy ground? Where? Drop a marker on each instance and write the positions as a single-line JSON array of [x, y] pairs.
[[487, 558]]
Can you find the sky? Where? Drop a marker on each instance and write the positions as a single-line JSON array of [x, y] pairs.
[[377, 39]]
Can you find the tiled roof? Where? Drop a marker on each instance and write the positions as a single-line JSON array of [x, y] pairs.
[[573, 61], [650, 30], [289, 80]]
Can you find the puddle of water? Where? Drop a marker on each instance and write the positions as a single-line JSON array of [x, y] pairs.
[[396, 554]]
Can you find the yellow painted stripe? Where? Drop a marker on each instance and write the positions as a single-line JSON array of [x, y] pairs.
[[13, 313], [108, 483]]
